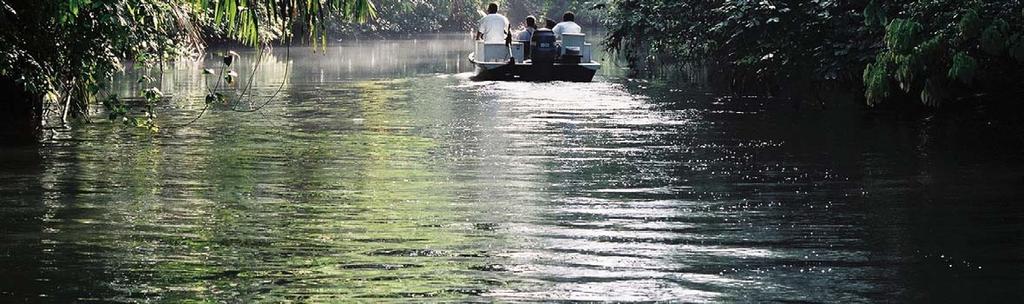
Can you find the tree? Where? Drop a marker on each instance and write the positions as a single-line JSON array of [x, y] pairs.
[[411, 17], [935, 51], [930, 50], [56, 56]]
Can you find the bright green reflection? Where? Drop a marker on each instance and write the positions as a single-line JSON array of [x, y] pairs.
[[267, 209]]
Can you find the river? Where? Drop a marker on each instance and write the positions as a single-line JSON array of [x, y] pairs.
[[379, 171]]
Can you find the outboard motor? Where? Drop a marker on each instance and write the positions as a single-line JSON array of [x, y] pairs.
[[543, 52], [544, 48]]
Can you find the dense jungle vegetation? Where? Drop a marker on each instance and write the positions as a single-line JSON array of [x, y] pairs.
[[931, 51], [57, 56], [398, 18]]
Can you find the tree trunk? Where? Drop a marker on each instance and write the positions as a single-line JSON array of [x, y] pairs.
[[21, 114]]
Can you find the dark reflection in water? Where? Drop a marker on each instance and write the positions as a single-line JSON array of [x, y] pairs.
[[382, 173]]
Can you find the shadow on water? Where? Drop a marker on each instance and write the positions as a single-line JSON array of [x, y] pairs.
[[382, 172]]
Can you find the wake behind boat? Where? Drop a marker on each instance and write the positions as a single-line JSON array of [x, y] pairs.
[[542, 59]]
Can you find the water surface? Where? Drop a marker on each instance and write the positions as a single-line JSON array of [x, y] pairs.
[[379, 171]]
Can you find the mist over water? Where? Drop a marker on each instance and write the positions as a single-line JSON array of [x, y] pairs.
[[381, 171]]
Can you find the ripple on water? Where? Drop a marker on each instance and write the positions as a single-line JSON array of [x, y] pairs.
[[401, 183]]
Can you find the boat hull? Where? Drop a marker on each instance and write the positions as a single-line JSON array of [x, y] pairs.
[[576, 72]]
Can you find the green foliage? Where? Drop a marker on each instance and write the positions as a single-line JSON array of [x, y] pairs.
[[932, 94], [907, 67], [418, 16], [897, 49], [152, 95], [255, 22], [876, 81], [411, 17], [963, 68], [970, 23], [977, 52], [901, 35], [874, 15], [758, 41], [69, 49], [993, 39], [120, 109]]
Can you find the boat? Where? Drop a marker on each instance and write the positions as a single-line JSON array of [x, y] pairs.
[[544, 60]]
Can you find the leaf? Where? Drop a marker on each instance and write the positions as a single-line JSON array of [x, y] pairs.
[[970, 23], [932, 94], [874, 16], [152, 94], [901, 34], [930, 47], [51, 97], [876, 81], [230, 77], [993, 39], [963, 68], [906, 70]]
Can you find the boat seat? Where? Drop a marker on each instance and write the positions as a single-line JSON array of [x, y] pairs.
[[526, 49], [495, 52], [518, 51], [573, 40]]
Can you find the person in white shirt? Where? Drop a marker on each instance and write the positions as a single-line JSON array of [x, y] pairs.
[[567, 26], [494, 27], [527, 34]]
